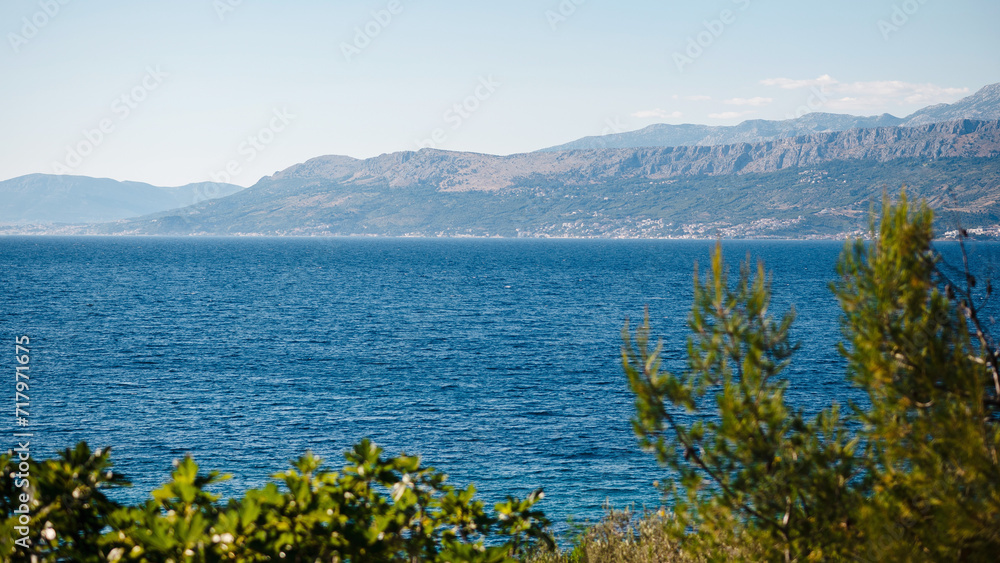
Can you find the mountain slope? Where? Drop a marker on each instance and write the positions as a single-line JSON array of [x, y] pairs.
[[805, 186], [46, 198], [983, 105], [751, 131], [455, 171]]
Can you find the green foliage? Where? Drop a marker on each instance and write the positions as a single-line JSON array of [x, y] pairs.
[[931, 428], [376, 509], [757, 463], [67, 504], [623, 536], [917, 478]]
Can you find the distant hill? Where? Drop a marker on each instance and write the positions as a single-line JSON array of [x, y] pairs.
[[464, 171], [46, 198], [814, 185], [983, 105], [815, 176], [751, 131]]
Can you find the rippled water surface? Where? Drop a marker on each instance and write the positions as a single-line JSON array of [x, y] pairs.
[[495, 360]]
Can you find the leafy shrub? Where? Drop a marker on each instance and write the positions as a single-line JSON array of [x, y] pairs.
[[376, 509], [624, 536]]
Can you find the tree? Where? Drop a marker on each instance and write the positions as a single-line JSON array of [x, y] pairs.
[[914, 344], [918, 480]]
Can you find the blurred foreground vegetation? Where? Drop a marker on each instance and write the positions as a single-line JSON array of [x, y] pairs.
[[913, 476], [376, 509]]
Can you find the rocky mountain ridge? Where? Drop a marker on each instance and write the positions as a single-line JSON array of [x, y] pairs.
[[462, 171], [982, 105], [810, 186], [816, 184]]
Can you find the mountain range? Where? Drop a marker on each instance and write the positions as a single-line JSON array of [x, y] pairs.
[[983, 105], [818, 185], [757, 179], [46, 198]]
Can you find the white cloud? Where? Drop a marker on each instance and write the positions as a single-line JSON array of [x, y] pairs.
[[789, 84], [758, 101], [657, 113], [874, 96], [728, 114]]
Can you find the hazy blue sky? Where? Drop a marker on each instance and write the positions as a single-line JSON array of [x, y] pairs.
[[186, 88]]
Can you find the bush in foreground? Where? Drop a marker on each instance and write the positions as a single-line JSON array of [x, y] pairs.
[[376, 509]]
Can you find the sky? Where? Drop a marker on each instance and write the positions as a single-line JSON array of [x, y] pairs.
[[180, 91]]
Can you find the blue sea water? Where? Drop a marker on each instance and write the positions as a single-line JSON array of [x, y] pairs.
[[497, 361]]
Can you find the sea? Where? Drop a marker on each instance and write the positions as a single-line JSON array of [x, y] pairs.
[[498, 361]]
